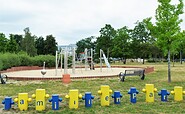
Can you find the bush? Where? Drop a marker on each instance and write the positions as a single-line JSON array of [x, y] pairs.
[[9, 60], [25, 60], [40, 59]]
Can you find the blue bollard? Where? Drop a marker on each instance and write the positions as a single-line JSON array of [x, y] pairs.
[[117, 95], [7, 103], [164, 95], [55, 101], [88, 99], [133, 91]]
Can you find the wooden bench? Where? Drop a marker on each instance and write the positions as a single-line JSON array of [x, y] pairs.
[[3, 78], [140, 73]]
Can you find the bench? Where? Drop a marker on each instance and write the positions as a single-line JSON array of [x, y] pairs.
[[3, 78], [140, 73]]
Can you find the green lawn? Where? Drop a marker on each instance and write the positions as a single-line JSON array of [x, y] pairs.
[[158, 78]]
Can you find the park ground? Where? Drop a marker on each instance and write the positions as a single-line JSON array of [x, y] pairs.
[[158, 78]]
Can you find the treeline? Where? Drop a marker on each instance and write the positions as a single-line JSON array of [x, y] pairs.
[[123, 43], [127, 43], [31, 44], [147, 40], [26, 50], [163, 38]]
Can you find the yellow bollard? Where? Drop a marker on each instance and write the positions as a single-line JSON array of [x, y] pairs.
[[22, 101], [40, 99], [178, 93], [73, 98], [149, 92], [105, 92]]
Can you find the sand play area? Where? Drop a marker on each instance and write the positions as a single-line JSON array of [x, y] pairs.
[[79, 73]]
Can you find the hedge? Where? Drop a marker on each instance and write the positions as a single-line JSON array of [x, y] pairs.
[[40, 59], [8, 60]]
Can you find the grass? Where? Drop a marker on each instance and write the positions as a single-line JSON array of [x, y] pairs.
[[158, 78]]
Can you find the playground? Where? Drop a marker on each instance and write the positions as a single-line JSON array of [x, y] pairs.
[[26, 86], [158, 78], [100, 81], [78, 69]]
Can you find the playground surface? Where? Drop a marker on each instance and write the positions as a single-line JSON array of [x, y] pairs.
[[79, 73]]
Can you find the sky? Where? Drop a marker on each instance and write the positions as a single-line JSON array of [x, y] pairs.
[[72, 20]]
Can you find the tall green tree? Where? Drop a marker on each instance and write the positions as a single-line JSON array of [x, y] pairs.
[[18, 38], [28, 43], [85, 43], [166, 28], [104, 41], [12, 45], [121, 44], [3, 42], [181, 46], [50, 45], [39, 44], [141, 40]]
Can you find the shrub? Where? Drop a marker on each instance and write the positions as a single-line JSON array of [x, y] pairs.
[[9, 60], [40, 59], [25, 60]]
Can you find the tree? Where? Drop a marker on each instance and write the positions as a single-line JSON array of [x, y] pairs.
[[28, 43], [39, 44], [166, 28], [12, 45], [181, 46], [18, 39], [3, 42], [50, 45], [104, 41], [141, 40], [121, 44], [85, 43]]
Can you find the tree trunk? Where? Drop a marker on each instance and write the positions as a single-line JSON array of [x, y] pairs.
[[125, 60], [173, 60], [181, 56], [143, 60], [169, 72]]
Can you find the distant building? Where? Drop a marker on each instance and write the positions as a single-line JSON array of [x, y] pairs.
[[69, 47]]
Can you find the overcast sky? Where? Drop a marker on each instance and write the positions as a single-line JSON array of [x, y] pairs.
[[71, 20]]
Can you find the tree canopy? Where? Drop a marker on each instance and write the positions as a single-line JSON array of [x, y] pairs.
[[28, 43], [166, 28]]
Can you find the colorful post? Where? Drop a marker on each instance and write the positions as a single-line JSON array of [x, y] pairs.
[[178, 93], [104, 95], [55, 101], [149, 92], [117, 96], [133, 91], [164, 95], [88, 99], [73, 98], [7, 103], [40, 97], [22, 101]]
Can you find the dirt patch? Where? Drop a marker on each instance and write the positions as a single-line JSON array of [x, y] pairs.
[[24, 82]]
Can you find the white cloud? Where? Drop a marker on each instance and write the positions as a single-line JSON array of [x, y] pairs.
[[71, 20]]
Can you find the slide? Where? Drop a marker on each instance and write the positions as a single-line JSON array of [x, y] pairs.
[[106, 61]]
